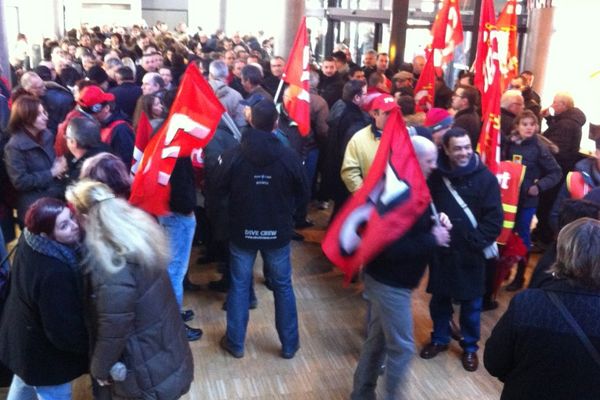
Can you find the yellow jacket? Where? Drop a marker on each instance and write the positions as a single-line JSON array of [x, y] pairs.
[[358, 158]]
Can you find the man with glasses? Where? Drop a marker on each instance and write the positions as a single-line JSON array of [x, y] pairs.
[[464, 101]]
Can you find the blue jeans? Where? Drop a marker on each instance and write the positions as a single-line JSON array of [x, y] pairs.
[[310, 165], [523, 224], [19, 390], [280, 274], [440, 308], [390, 341], [180, 231]]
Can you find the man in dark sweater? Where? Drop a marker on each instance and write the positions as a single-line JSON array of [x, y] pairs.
[[464, 102], [389, 280], [266, 183]]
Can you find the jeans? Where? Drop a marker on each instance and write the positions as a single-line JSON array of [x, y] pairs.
[[440, 308], [390, 341], [523, 224], [310, 165], [280, 273], [180, 231], [19, 390]]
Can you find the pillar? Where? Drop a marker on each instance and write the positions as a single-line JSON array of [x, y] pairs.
[[4, 63], [285, 28]]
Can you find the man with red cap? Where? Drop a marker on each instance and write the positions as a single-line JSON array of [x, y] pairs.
[[438, 121], [361, 149], [115, 132]]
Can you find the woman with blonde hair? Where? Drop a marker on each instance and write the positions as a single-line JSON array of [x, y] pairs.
[[134, 317], [547, 344]]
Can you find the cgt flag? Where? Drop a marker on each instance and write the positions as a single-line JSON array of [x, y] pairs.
[[484, 57], [191, 123], [425, 88], [296, 75], [391, 199], [507, 43], [143, 133], [446, 32]]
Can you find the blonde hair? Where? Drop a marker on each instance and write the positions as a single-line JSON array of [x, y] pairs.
[[116, 232], [578, 252]]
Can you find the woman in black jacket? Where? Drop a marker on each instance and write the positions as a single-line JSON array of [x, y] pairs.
[[542, 172], [43, 339], [533, 349]]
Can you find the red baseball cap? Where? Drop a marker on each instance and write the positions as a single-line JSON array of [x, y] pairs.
[[384, 102], [92, 95]]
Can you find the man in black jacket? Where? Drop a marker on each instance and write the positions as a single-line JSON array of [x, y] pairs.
[[389, 281], [266, 183], [464, 101], [458, 271]]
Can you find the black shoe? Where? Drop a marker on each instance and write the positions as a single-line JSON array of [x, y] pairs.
[[288, 355], [489, 305], [225, 346], [193, 334], [187, 315], [189, 286], [432, 349], [297, 237], [515, 285], [219, 286], [470, 361], [306, 223]]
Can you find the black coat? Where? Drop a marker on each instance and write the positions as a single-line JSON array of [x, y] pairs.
[[541, 169], [266, 183], [330, 88], [403, 262], [565, 131], [123, 138], [43, 338], [469, 120], [58, 101], [458, 271], [126, 97], [536, 353]]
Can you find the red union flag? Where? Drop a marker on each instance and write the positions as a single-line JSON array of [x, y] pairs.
[[489, 139], [446, 32], [484, 59], [507, 43], [394, 195], [296, 74], [425, 88], [142, 137], [192, 121]]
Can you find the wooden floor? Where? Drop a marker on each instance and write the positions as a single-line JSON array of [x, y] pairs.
[[332, 321]]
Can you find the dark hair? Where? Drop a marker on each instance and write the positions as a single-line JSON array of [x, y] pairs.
[[329, 58], [470, 93], [41, 215], [339, 55], [352, 88], [24, 112], [43, 72], [525, 114], [455, 132], [407, 104], [572, 209], [97, 74], [110, 170], [252, 74], [353, 69], [264, 114], [147, 101], [69, 76], [125, 73], [375, 79], [85, 131]]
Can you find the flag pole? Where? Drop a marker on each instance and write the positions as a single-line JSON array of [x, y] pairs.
[[278, 90]]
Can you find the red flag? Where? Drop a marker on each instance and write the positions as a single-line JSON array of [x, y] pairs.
[[296, 74], [191, 123], [425, 88], [487, 29], [507, 43], [392, 198], [447, 32], [142, 137]]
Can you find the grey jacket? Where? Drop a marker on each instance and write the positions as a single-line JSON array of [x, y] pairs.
[[230, 99], [28, 166]]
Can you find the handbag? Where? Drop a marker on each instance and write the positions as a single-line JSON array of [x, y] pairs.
[[490, 251], [571, 321]]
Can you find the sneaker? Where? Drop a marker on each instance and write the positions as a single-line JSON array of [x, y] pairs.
[[187, 315], [225, 346], [193, 334]]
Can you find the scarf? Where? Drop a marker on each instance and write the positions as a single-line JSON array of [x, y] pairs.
[[52, 248]]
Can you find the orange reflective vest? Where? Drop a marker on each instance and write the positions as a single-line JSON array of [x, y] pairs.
[[577, 184], [510, 177]]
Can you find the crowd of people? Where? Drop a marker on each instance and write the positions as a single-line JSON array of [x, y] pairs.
[[97, 284]]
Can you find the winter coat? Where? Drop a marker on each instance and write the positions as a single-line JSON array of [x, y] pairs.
[[230, 99], [330, 88], [402, 264], [507, 120], [122, 137], [43, 337], [359, 157], [564, 130], [135, 320], [266, 183], [345, 119], [28, 165], [126, 97], [469, 120], [458, 271], [58, 101], [537, 354], [319, 112], [541, 170]]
